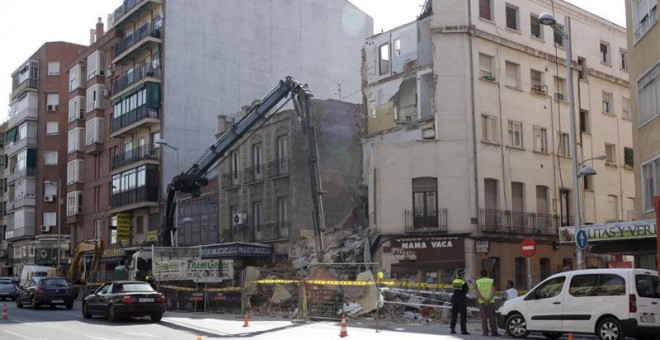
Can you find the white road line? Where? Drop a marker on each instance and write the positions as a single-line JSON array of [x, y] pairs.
[[16, 334], [94, 337]]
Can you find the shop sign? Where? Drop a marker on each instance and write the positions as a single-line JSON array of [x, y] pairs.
[[237, 249], [124, 228], [482, 246], [152, 236], [612, 231], [195, 270], [427, 247]]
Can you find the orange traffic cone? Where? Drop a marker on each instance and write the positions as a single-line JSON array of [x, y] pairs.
[[4, 312], [570, 336], [246, 322], [343, 332], [199, 337]]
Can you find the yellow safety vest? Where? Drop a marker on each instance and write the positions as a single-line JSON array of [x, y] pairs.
[[485, 287]]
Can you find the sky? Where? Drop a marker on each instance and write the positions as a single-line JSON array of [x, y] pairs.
[[25, 25]]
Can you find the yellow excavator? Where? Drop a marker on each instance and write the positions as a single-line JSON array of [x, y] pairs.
[[79, 272]]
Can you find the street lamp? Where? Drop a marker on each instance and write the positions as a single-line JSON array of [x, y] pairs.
[[548, 20], [176, 151]]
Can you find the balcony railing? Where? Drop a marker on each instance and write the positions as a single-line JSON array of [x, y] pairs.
[[424, 222], [129, 79], [278, 168], [272, 231], [231, 180], [133, 196], [133, 116], [495, 220], [28, 84], [140, 34], [253, 174], [131, 156]]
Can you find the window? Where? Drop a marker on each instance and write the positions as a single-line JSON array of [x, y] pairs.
[[550, 288], [489, 128], [604, 53], [486, 9], [234, 168], [623, 57], [644, 16], [397, 47], [425, 194], [384, 59], [139, 225], [98, 229], [486, 67], [558, 37], [74, 171], [50, 218], [73, 203], [94, 132], [256, 217], [282, 212], [612, 211], [536, 78], [610, 154], [52, 101], [650, 182], [588, 183], [625, 108], [50, 157], [564, 144], [648, 96], [540, 139], [647, 286], [584, 121], [545, 268], [491, 190], [520, 271], [515, 134], [584, 285], [256, 161], [542, 206], [628, 157], [512, 17], [607, 102], [282, 155], [52, 128], [53, 68], [582, 68], [534, 27], [560, 88], [512, 74]]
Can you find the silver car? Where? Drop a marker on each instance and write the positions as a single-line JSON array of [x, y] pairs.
[[8, 288]]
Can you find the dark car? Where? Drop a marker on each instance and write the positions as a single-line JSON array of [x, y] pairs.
[[8, 288], [46, 291], [124, 299]]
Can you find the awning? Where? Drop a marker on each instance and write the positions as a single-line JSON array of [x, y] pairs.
[[11, 135]]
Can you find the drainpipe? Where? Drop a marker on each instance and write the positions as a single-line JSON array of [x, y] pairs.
[[474, 118], [656, 204]]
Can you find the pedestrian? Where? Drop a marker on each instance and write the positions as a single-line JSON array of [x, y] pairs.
[[511, 291], [486, 300], [459, 303], [150, 280]]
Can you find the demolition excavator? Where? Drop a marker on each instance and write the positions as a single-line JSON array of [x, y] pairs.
[[194, 178]]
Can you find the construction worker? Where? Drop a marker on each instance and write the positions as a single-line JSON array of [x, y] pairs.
[[150, 280], [459, 303], [486, 300]]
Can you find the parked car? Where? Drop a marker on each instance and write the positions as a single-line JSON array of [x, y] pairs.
[[8, 288], [124, 299], [610, 303], [46, 291]]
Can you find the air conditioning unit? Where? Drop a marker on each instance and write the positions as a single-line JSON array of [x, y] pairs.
[[49, 198], [45, 228], [106, 93], [51, 108], [239, 219]]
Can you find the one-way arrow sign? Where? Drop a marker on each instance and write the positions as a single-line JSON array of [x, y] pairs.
[[581, 239]]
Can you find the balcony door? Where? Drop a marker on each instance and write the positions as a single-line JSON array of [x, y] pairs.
[[425, 202]]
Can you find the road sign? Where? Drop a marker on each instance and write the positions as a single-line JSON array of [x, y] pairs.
[[528, 247], [581, 239]]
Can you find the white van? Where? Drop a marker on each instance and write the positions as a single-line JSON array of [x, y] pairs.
[[29, 271], [610, 303]]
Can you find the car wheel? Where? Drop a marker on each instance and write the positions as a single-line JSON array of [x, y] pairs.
[[35, 305], [516, 326], [69, 305], [112, 314], [156, 317], [552, 335], [18, 303], [85, 311], [610, 329]]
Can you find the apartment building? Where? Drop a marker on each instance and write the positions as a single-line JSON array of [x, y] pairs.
[[35, 158], [4, 245], [644, 61], [467, 149], [265, 191]]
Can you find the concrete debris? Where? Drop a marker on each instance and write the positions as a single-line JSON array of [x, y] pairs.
[[350, 309], [280, 294]]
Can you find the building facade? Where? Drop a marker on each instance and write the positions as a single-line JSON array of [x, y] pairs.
[[644, 61], [468, 138], [36, 158]]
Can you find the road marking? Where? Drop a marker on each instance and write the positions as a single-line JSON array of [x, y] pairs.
[[94, 337], [142, 334], [16, 334]]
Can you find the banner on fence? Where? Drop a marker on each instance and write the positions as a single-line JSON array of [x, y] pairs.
[[195, 270]]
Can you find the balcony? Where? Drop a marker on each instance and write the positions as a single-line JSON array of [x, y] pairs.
[[16, 146], [16, 174], [506, 221], [126, 80], [30, 84], [134, 155], [231, 180], [426, 222], [272, 232], [141, 115], [135, 198], [130, 9], [142, 37], [253, 174], [94, 148], [278, 168]]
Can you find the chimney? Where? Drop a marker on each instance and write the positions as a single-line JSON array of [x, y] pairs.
[[99, 30], [92, 36], [222, 124]]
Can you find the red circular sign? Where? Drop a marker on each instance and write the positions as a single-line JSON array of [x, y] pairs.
[[528, 247]]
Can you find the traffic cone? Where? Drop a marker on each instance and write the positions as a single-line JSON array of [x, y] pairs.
[[246, 321], [343, 332], [570, 336], [4, 312]]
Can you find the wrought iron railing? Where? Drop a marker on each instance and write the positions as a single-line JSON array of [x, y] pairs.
[[426, 221]]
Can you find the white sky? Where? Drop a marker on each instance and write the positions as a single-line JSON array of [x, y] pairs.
[[25, 25]]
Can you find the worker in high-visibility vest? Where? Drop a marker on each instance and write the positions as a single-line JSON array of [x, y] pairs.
[[459, 303], [486, 300]]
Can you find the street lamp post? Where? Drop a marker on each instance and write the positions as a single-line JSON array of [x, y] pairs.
[[164, 143], [549, 20], [176, 151]]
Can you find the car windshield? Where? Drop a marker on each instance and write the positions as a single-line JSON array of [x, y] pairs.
[[137, 287], [54, 283], [6, 282]]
